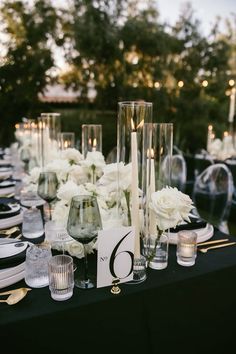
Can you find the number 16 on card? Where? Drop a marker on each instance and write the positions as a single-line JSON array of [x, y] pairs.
[[115, 255]]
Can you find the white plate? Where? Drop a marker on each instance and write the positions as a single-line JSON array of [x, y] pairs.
[[14, 208], [12, 279], [203, 234], [5, 162], [30, 203], [13, 248], [5, 169], [14, 220], [5, 184], [9, 190], [6, 174], [8, 272]]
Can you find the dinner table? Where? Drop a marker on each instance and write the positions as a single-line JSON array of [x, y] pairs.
[[186, 309]]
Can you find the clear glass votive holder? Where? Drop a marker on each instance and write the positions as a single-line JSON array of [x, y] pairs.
[[91, 138], [158, 251], [61, 277], [186, 248], [36, 265], [32, 224], [139, 270], [66, 140]]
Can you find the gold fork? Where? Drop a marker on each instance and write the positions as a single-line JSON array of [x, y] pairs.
[[204, 250], [10, 231]]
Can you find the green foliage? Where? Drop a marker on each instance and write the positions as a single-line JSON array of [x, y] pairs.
[[123, 53], [24, 72]]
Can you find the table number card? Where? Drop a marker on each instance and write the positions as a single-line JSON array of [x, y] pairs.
[[115, 255]]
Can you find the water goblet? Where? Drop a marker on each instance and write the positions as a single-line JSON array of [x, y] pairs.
[[47, 188], [84, 221]]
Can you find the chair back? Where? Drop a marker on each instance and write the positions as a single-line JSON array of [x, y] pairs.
[[178, 172], [212, 194]]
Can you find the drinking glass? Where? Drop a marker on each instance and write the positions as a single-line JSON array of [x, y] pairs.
[[36, 265], [32, 224], [84, 221], [61, 277], [47, 188]]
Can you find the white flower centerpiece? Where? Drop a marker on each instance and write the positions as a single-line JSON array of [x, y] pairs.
[[171, 207], [75, 175]]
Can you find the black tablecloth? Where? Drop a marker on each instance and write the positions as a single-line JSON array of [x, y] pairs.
[[184, 309]]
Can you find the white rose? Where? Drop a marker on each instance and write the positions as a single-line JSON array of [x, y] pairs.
[[60, 167], [75, 249], [125, 176], [94, 163], [82, 190], [77, 174], [171, 207], [67, 191], [72, 155], [60, 213], [34, 174]]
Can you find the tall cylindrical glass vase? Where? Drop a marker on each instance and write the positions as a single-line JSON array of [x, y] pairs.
[[131, 118], [157, 158]]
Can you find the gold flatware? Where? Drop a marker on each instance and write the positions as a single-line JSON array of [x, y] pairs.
[[15, 291], [204, 250], [212, 242], [10, 231], [7, 195], [15, 295]]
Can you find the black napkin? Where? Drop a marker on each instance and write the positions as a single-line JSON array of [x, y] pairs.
[[193, 225], [4, 207]]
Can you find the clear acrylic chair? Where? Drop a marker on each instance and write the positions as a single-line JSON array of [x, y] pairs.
[[201, 162], [212, 195], [178, 172]]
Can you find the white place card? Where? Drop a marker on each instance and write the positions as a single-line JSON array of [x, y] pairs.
[[115, 255]]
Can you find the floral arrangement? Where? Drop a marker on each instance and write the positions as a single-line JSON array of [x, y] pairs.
[[92, 176], [89, 176]]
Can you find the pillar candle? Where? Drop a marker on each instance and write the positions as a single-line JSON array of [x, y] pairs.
[[152, 218], [134, 191], [232, 106]]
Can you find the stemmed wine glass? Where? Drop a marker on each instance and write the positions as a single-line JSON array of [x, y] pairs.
[[83, 224], [47, 188]]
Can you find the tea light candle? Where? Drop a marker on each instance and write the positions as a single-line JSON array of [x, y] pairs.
[[187, 249], [61, 281], [94, 148]]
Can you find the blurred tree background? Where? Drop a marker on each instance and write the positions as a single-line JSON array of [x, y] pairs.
[[119, 52]]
